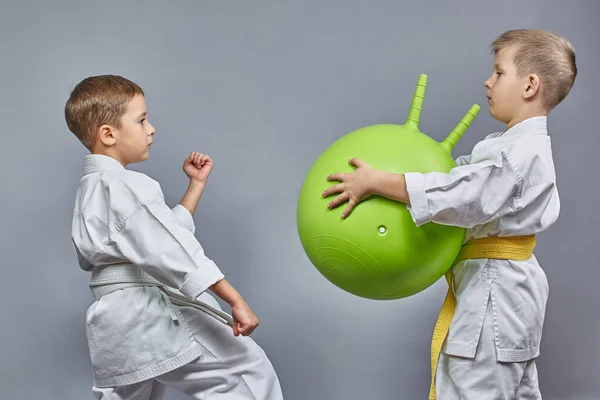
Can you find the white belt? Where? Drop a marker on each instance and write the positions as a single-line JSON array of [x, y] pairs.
[[115, 277]]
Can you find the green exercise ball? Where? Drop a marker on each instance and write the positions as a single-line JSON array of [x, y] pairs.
[[378, 252]]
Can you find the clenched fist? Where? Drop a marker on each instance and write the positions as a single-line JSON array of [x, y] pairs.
[[197, 167]]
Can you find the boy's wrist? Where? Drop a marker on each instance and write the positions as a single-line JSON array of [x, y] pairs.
[[237, 301], [227, 293], [377, 182], [389, 184], [196, 184]]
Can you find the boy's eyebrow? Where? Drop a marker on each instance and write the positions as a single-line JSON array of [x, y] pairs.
[[144, 114], [497, 66]]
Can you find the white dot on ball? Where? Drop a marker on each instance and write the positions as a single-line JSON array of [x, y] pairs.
[[382, 229]]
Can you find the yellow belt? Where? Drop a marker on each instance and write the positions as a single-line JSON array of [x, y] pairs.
[[516, 248]]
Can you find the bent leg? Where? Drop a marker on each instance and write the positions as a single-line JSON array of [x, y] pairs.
[[229, 367]]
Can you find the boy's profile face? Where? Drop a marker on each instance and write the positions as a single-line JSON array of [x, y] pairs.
[[130, 143], [505, 88]]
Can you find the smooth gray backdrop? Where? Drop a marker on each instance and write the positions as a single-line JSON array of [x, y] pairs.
[[264, 87]]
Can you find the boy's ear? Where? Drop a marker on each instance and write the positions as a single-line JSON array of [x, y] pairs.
[[107, 135], [533, 85]]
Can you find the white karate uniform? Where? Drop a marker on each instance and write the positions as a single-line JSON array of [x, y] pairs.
[[505, 187], [139, 339]]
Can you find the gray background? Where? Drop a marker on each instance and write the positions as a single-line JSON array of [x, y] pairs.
[[264, 87]]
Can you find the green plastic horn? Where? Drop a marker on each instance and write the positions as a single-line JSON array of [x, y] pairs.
[[378, 252]]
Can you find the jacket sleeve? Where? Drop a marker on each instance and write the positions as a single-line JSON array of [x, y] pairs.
[[463, 160], [469, 195], [148, 234], [184, 218]]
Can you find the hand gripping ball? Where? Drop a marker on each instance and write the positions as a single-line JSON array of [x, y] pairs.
[[378, 252]]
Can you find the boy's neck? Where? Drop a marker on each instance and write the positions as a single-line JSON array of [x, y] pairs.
[[525, 116], [110, 154]]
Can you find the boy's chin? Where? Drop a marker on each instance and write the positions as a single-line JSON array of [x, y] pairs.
[[139, 159], [497, 117], [144, 156]]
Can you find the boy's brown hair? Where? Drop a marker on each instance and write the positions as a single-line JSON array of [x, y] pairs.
[[549, 56], [96, 101]]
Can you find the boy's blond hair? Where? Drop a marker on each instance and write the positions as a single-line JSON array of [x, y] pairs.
[[96, 101], [549, 56]]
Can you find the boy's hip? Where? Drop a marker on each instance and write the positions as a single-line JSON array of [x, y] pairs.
[[132, 336], [512, 294], [483, 377]]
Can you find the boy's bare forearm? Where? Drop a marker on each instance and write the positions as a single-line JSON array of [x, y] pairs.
[[226, 292], [390, 185], [192, 196]]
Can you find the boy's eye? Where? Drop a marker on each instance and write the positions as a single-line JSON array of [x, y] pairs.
[[142, 121]]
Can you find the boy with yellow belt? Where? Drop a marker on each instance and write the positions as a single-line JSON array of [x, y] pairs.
[[488, 334]]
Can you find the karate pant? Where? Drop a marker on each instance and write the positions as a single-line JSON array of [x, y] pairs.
[[229, 368], [483, 377]]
